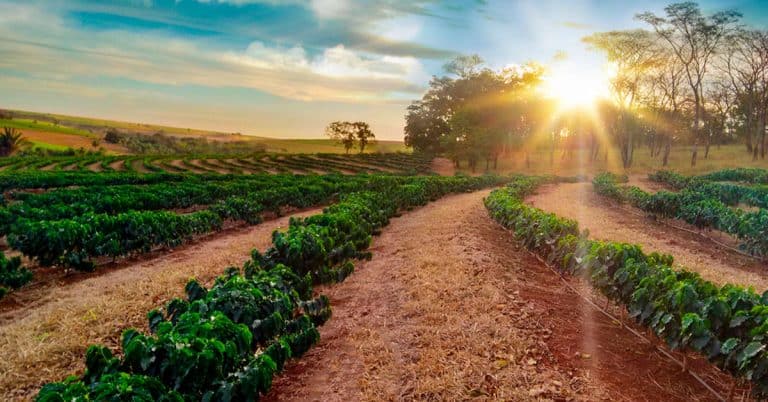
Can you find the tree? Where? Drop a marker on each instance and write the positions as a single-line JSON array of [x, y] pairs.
[[664, 102], [464, 66], [112, 136], [10, 141], [693, 38], [343, 133], [363, 133], [350, 133], [496, 107], [744, 63], [634, 53]]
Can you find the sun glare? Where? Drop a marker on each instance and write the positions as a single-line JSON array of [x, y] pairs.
[[572, 86]]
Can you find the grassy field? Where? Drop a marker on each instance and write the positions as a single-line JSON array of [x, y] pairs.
[[325, 146], [726, 156], [45, 145], [44, 126]]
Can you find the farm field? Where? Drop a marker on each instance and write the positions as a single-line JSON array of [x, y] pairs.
[[244, 201], [261, 163], [405, 306]]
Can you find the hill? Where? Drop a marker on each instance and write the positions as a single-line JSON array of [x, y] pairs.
[[59, 132]]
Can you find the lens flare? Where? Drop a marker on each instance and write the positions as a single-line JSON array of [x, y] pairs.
[[573, 86]]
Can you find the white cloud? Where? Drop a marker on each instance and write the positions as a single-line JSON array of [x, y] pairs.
[[329, 9], [339, 61], [260, 55], [46, 48]]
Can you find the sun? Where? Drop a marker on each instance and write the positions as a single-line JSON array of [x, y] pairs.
[[573, 86]]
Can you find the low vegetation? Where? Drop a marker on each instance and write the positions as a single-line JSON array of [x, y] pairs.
[[727, 325], [699, 206], [228, 341], [220, 163]]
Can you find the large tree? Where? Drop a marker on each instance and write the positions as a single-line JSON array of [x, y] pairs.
[[350, 134], [474, 113], [343, 133], [693, 38], [363, 133]]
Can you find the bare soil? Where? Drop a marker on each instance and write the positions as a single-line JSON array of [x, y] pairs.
[[607, 220], [641, 181], [450, 308], [46, 341], [95, 167], [118, 165], [245, 169], [210, 164], [138, 166]]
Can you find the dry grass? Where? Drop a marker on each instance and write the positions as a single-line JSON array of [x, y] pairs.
[[727, 156], [47, 341], [433, 316]]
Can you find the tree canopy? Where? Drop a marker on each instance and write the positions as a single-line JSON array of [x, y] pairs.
[[351, 134]]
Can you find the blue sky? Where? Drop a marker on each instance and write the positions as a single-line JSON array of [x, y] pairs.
[[281, 68]]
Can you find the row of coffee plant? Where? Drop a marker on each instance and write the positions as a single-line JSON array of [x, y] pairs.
[[45, 179], [75, 241], [746, 175], [728, 325], [271, 191], [227, 342], [729, 193], [695, 207]]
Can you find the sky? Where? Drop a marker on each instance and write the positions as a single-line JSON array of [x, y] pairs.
[[284, 68]]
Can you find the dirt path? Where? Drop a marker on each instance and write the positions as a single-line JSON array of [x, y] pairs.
[[644, 183], [607, 221], [47, 341], [450, 309]]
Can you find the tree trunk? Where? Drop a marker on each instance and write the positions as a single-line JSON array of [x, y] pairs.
[[697, 128], [706, 148], [667, 149], [694, 154], [761, 127]]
